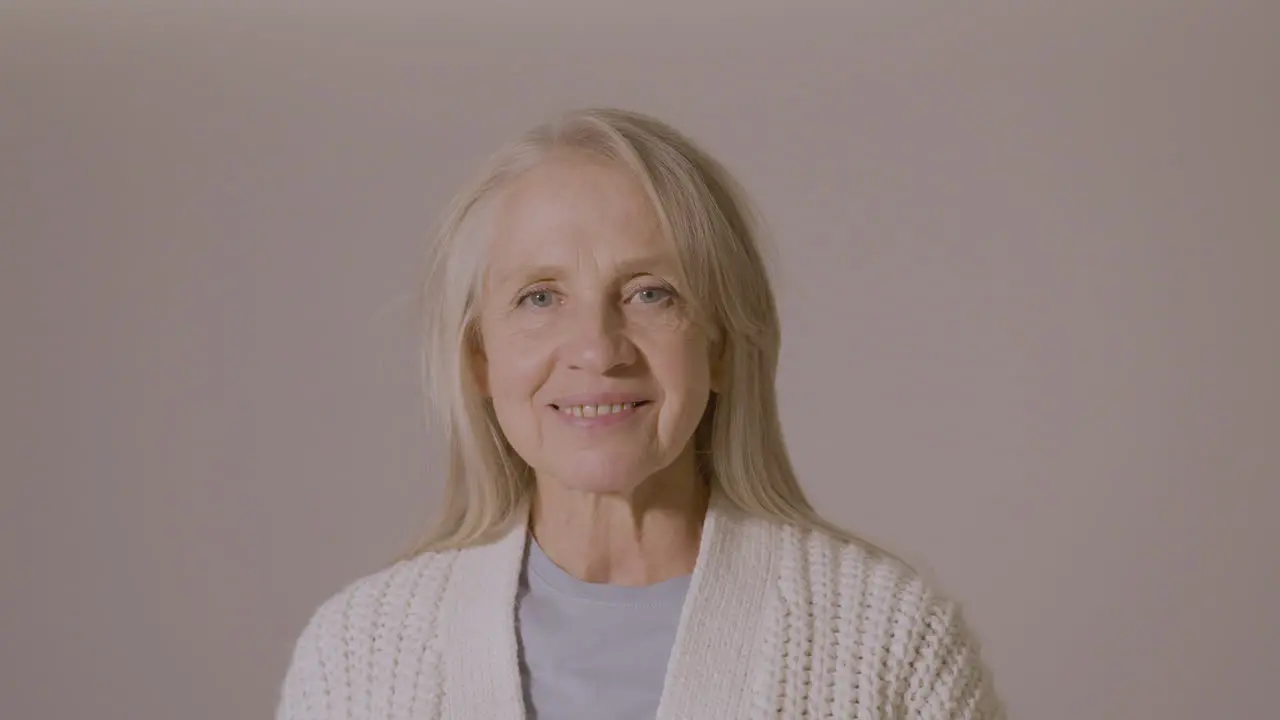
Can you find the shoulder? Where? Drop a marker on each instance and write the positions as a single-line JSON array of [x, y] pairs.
[[815, 565], [382, 596], [386, 618], [867, 611]]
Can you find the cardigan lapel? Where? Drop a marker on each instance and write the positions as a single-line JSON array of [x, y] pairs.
[[481, 662], [710, 673]]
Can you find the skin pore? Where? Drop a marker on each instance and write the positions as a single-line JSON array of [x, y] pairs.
[[596, 373]]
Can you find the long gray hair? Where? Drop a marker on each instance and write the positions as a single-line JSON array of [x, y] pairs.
[[704, 211]]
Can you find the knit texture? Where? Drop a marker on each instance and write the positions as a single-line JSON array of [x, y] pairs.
[[779, 622]]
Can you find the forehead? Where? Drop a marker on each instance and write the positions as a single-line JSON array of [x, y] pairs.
[[571, 208]]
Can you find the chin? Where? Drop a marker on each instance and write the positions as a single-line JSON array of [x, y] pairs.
[[606, 483], [602, 475]]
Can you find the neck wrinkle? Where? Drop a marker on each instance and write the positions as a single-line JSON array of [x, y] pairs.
[[646, 538]]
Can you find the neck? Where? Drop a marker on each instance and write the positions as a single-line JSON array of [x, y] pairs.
[[639, 538]]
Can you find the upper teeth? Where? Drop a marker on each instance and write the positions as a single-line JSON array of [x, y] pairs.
[[596, 410]]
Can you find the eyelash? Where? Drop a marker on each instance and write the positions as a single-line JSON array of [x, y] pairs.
[[524, 297], [659, 287]]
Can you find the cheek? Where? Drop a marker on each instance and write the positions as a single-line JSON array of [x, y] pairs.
[[516, 366], [677, 351], [516, 371], [683, 370]]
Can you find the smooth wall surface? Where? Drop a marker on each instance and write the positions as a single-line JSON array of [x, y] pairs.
[[1029, 268]]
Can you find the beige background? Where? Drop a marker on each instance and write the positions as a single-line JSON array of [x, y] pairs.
[[1029, 261]]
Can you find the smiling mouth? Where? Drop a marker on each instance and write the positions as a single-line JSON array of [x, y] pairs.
[[603, 410]]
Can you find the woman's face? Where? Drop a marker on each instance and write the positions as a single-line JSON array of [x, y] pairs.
[[597, 375]]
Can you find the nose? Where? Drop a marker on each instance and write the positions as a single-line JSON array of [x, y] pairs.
[[596, 339]]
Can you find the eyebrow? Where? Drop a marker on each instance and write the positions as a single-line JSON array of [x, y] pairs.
[[651, 264]]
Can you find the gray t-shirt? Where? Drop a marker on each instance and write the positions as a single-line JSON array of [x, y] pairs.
[[590, 650]]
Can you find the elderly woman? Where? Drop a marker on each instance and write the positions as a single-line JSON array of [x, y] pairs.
[[622, 534]]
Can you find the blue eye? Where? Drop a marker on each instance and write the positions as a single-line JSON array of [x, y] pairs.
[[538, 298], [651, 295]]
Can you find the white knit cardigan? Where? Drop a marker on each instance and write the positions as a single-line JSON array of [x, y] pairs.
[[779, 622]]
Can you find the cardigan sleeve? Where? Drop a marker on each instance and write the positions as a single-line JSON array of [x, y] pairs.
[[950, 679], [306, 692]]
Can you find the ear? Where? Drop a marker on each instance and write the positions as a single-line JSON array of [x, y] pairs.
[[719, 366], [479, 365]]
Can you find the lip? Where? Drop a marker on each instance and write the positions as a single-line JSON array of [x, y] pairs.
[[598, 399]]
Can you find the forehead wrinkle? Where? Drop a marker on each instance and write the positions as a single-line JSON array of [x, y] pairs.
[[582, 204]]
